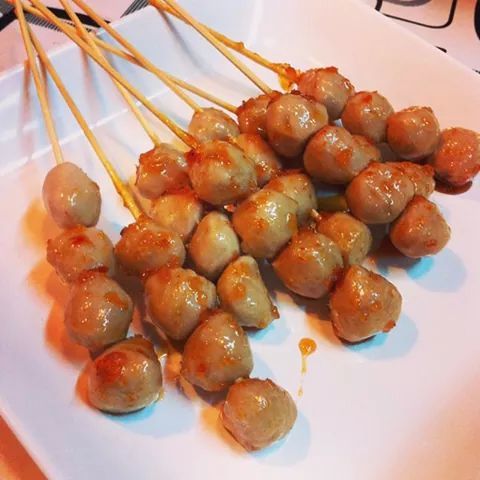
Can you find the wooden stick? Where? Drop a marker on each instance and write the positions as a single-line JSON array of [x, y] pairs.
[[218, 45], [283, 69], [39, 84], [179, 132], [130, 58], [121, 188], [142, 60]]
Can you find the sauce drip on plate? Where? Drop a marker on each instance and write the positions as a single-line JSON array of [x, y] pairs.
[[307, 346]]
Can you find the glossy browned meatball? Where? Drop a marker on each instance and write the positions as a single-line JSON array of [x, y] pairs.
[[258, 413], [420, 175], [310, 264], [413, 133], [217, 353], [221, 173], [328, 87], [126, 377], [252, 113], [214, 245], [364, 304], [369, 150], [175, 299], [241, 292], [178, 212], [366, 113], [291, 121], [78, 250], [379, 193], [98, 312], [457, 159], [71, 197], [144, 247], [298, 187], [212, 124], [420, 230], [259, 151], [265, 222], [351, 236], [161, 169], [334, 156]]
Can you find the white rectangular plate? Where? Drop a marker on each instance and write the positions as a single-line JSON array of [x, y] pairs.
[[405, 405]]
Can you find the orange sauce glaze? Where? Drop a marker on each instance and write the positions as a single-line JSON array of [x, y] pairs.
[[306, 346]]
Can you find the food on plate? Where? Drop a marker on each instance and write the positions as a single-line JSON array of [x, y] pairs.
[[212, 124], [420, 175]]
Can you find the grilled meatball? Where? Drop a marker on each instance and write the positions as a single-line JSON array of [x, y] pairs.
[[178, 212], [217, 353], [78, 250], [126, 377], [214, 245], [212, 124], [363, 304], [369, 150], [241, 292], [175, 299], [366, 113], [259, 151], [379, 193], [265, 222], [298, 187], [291, 121], [420, 230], [309, 265], [457, 159], [351, 236], [71, 197], [98, 312], [328, 87], [258, 413], [221, 173], [161, 169], [413, 133], [420, 175]]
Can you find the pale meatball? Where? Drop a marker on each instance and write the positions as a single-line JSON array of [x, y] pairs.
[[71, 197], [178, 212], [145, 247], [259, 151], [265, 222], [334, 156], [364, 304], [217, 353], [328, 87], [420, 175], [310, 264], [126, 377], [98, 311], [413, 133], [79, 250], [214, 245], [351, 236], [457, 159], [291, 121], [241, 291], [161, 169], [221, 173], [298, 187], [175, 299], [258, 413], [420, 230], [212, 124], [252, 114], [366, 113], [379, 193]]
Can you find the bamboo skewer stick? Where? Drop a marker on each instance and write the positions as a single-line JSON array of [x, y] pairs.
[[121, 188], [180, 133], [39, 85], [282, 69], [142, 60], [218, 45]]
